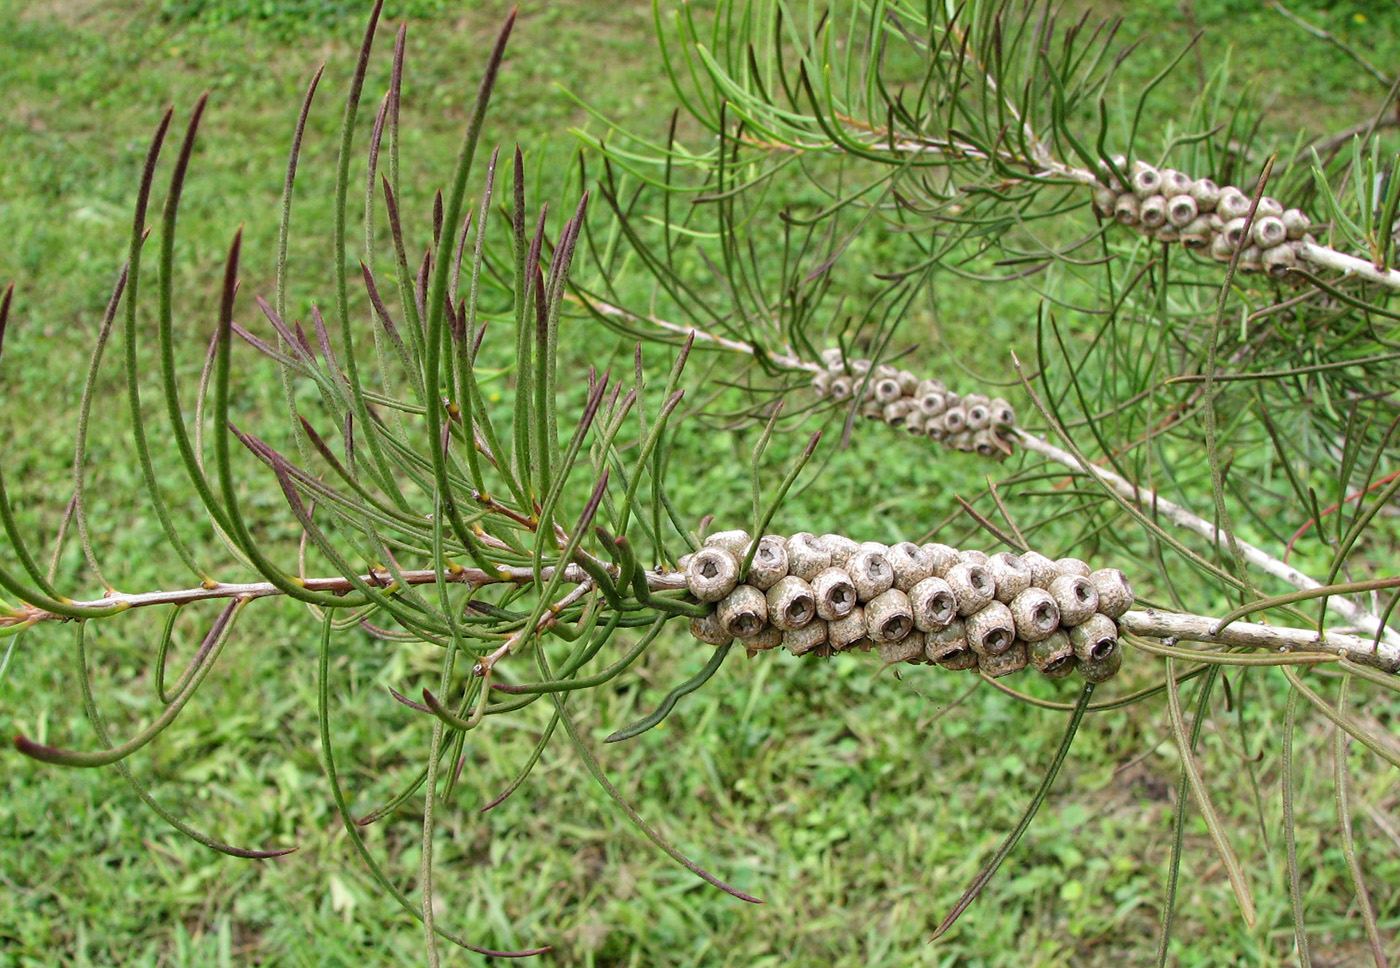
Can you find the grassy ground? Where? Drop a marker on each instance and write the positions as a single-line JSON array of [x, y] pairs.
[[857, 805]]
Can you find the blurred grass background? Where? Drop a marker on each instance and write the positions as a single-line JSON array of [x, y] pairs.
[[857, 805]]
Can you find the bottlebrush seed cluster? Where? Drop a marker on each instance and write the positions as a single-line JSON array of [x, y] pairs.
[[913, 603], [1171, 206], [974, 423]]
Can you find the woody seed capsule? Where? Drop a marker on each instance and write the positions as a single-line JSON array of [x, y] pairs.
[[894, 413], [1296, 223], [1103, 669], [1181, 210], [735, 542], [804, 640], [1094, 639], [847, 630], [1278, 260], [908, 649], [954, 419], [1072, 566], [1053, 656], [985, 444], [1125, 209], [991, 630], [1175, 182], [840, 547], [940, 558], [1076, 597], [834, 594], [1233, 232], [887, 390], [1010, 575], [806, 555], [909, 567], [1145, 179], [765, 638], [1115, 594], [974, 555], [939, 644], [1197, 233], [743, 612], [1220, 248], [1043, 570], [1003, 414], [840, 388], [871, 574], [1035, 614], [972, 586], [933, 604], [1232, 203], [769, 563], [1269, 231], [888, 617], [979, 416], [711, 574], [833, 358], [1206, 193], [707, 629], [1005, 663], [791, 603], [1152, 212], [932, 403], [959, 661]]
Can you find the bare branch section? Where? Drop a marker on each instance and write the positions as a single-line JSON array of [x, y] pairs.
[[1176, 626]]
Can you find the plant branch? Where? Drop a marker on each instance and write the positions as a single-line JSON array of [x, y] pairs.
[[1278, 638], [1384, 655]]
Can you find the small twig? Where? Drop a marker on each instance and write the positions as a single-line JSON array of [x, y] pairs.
[[551, 615]]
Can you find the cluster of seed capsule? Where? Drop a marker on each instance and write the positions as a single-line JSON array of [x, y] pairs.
[[912, 603], [974, 423], [1171, 206]]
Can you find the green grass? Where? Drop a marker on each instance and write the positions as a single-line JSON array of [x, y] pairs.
[[857, 805]]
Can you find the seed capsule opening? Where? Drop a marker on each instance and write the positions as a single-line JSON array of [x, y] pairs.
[[895, 627], [998, 640]]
